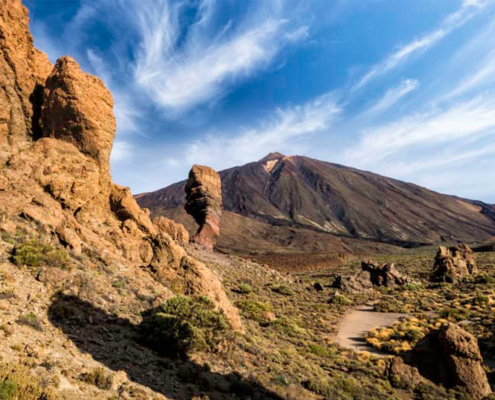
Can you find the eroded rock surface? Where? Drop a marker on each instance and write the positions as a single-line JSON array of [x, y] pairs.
[[56, 133], [454, 263], [204, 203], [371, 274], [177, 231], [451, 357]]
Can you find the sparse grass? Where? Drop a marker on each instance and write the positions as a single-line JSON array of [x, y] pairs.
[[182, 325], [36, 253], [31, 320]]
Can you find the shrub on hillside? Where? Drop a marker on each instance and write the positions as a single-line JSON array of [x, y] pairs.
[[17, 383], [35, 253], [183, 324]]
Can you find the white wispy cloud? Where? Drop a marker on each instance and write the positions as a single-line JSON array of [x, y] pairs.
[[453, 21], [468, 121], [181, 68], [392, 97], [278, 133]]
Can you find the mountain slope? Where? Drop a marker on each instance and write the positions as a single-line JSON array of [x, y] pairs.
[[302, 193]]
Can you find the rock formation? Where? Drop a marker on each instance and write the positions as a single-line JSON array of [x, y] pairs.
[[371, 274], [177, 231], [385, 274], [56, 133], [451, 357], [453, 264], [204, 203]]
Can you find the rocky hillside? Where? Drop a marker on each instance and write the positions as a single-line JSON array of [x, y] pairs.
[[306, 199]]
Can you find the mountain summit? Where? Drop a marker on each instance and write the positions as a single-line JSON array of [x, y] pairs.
[[285, 200]]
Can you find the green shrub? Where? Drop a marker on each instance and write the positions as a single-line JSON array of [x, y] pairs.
[[340, 299], [254, 310], [35, 253], [183, 324], [244, 288], [17, 383], [283, 290]]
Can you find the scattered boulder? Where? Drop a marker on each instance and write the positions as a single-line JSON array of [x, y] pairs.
[[204, 203], [371, 274], [357, 283], [385, 274], [451, 357], [453, 264], [177, 231]]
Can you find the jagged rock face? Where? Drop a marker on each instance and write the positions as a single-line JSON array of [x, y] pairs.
[[56, 133], [453, 264], [78, 108], [371, 274], [384, 275], [177, 231], [22, 69], [204, 203], [451, 357]]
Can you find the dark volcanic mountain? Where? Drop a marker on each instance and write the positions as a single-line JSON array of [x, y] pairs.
[[298, 203]]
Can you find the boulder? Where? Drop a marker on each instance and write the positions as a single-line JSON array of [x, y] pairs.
[[371, 274], [453, 264], [357, 283], [451, 357], [204, 203], [177, 231], [385, 274]]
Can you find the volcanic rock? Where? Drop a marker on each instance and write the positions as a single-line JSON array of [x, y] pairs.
[[451, 357], [177, 231], [453, 264], [56, 133], [204, 203], [384, 275], [371, 274]]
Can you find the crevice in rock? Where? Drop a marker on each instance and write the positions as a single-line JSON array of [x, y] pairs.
[[36, 99]]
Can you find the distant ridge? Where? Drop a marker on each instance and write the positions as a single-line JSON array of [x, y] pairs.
[[302, 204]]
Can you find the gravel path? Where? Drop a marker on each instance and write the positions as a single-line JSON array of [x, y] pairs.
[[359, 321]]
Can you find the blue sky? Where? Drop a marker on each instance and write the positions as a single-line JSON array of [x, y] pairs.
[[404, 88]]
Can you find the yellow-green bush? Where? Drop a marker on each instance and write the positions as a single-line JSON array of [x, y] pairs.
[[17, 383], [35, 253], [183, 324]]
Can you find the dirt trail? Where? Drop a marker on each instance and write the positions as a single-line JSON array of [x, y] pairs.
[[359, 321]]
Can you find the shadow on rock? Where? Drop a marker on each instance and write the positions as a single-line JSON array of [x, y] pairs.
[[113, 341]]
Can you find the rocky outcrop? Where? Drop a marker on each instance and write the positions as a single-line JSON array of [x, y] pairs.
[[451, 357], [204, 203], [453, 264], [385, 274], [56, 133], [177, 231], [371, 274], [357, 283]]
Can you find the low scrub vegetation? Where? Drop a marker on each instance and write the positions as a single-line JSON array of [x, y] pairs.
[[17, 383], [36, 253], [182, 325]]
